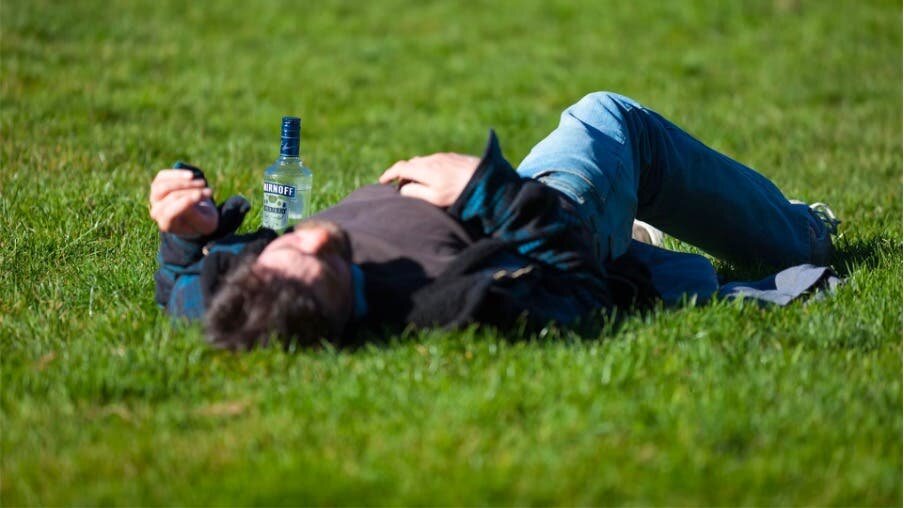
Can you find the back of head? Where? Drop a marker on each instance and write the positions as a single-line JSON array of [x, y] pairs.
[[251, 310]]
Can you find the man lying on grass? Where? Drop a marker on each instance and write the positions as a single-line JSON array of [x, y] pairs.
[[451, 239]]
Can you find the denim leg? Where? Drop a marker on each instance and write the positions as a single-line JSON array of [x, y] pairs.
[[619, 160], [588, 158]]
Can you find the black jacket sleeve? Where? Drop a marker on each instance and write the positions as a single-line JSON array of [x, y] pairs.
[[542, 225]]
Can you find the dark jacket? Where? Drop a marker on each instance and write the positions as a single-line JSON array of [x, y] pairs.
[[508, 247]]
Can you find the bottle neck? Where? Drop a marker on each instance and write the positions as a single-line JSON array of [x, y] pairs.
[[288, 148]]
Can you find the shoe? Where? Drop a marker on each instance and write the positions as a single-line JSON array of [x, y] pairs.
[[645, 233], [827, 216], [821, 241], [823, 213]]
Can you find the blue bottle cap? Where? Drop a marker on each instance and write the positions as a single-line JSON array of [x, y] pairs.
[[291, 126]]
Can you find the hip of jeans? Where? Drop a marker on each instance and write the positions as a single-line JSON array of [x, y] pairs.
[[600, 205]]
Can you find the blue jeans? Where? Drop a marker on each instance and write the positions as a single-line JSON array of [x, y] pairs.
[[619, 160]]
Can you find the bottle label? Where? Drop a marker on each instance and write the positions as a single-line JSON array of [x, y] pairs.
[[278, 198], [278, 189]]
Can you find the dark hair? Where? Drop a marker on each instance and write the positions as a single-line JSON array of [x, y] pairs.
[[251, 310]]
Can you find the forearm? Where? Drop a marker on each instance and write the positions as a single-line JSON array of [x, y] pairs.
[[176, 258], [183, 258]]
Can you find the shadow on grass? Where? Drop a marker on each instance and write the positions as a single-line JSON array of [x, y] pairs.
[[864, 253], [606, 323], [850, 256]]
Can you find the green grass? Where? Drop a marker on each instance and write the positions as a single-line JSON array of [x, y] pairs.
[[104, 402]]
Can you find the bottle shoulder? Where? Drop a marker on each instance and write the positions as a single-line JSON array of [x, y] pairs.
[[294, 166]]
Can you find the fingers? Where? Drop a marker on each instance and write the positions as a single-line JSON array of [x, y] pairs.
[[418, 191], [159, 190], [417, 169], [176, 203], [393, 173], [166, 211], [174, 173], [426, 169], [170, 180]]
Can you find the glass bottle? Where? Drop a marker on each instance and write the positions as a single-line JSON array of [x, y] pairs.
[[287, 182]]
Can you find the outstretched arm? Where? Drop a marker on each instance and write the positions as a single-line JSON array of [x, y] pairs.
[[181, 205], [183, 208]]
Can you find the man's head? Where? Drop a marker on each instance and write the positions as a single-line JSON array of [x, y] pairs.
[[299, 288]]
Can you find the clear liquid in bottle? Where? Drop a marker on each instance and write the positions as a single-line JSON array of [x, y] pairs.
[[287, 182]]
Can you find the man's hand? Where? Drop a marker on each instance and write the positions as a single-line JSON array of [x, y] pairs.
[[438, 179], [181, 204]]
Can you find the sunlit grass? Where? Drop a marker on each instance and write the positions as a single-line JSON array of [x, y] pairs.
[[105, 402]]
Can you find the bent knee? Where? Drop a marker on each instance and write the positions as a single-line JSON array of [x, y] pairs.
[[602, 108], [606, 112], [607, 100]]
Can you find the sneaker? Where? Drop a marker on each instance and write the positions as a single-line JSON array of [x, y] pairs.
[[822, 240], [823, 213], [645, 233], [827, 216]]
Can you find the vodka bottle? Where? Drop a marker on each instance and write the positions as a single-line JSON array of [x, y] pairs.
[[287, 182]]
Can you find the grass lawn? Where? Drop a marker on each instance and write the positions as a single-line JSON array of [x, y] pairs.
[[105, 402]]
